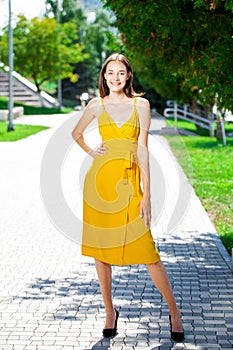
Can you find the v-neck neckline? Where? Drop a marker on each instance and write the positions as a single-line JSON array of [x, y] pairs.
[[113, 121]]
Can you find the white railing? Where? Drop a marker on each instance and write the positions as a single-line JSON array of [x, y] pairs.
[[182, 113]]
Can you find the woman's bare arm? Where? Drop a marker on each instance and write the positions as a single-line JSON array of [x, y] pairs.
[[92, 110]]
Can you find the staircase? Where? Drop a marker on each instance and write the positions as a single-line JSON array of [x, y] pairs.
[[24, 91]]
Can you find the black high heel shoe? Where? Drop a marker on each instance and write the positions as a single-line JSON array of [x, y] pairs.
[[176, 336], [111, 332]]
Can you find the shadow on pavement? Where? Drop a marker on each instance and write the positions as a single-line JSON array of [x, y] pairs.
[[103, 344], [199, 276]]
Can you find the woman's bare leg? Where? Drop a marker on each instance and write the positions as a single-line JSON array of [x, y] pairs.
[[104, 272], [160, 278]]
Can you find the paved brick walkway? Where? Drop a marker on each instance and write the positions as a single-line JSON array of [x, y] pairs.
[[49, 294]]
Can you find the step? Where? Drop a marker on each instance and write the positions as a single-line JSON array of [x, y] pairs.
[[23, 97], [21, 92], [17, 112], [17, 88]]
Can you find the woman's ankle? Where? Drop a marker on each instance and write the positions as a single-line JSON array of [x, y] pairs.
[[109, 310]]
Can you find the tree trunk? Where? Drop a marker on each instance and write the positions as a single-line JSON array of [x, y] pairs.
[[220, 130], [195, 110], [39, 91], [208, 112]]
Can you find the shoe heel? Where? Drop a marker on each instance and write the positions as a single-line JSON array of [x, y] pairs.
[[176, 336], [111, 332]]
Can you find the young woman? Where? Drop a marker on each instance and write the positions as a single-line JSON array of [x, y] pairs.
[[116, 212]]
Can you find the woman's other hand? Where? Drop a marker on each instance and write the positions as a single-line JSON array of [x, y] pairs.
[[145, 211]]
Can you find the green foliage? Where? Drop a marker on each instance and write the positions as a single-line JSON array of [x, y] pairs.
[[180, 47], [37, 49], [40, 53], [70, 11], [95, 35]]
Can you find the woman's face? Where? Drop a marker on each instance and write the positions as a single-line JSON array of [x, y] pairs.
[[116, 76]]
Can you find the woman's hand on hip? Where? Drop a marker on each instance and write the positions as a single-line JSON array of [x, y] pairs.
[[99, 151]]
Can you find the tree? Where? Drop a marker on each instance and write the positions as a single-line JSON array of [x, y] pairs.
[[181, 46], [95, 35], [70, 11], [38, 51]]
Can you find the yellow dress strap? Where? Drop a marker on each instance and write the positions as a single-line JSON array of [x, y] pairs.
[[102, 102]]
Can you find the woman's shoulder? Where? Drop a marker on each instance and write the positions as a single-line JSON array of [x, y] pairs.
[[94, 107], [143, 108], [94, 102], [143, 102]]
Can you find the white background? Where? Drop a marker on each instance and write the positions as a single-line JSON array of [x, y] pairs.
[[30, 8]]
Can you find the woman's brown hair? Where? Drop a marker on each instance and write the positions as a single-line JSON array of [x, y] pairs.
[[128, 88]]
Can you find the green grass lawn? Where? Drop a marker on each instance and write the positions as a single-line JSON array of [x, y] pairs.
[[20, 132], [211, 174], [31, 110]]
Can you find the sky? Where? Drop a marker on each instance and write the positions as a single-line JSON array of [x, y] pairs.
[[30, 8]]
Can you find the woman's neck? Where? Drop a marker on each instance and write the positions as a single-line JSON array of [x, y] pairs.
[[117, 97]]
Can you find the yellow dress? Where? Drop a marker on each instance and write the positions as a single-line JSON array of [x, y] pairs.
[[113, 231]]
